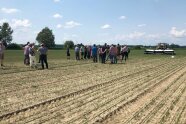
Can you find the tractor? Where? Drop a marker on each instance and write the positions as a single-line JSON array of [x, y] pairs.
[[162, 48]]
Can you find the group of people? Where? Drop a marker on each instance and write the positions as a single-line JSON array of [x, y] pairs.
[[101, 53], [30, 55], [83, 52], [97, 53], [118, 52]]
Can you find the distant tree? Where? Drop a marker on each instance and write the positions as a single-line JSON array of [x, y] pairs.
[[6, 33], [69, 43], [138, 47], [14, 46], [174, 46], [46, 36]]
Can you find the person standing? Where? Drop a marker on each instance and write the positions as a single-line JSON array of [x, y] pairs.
[[85, 54], [82, 50], [77, 52], [43, 54], [99, 53], [128, 51], [124, 53], [107, 52], [118, 51], [26, 54], [32, 56], [115, 55], [111, 53], [39, 56], [68, 52], [103, 53], [2, 48], [88, 52], [94, 53]]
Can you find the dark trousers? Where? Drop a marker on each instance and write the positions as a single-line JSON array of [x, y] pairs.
[[124, 56], [95, 58], [103, 57], [26, 60], [44, 60], [127, 55], [85, 55], [88, 55]]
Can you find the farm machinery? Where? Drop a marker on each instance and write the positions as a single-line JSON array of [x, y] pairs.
[[162, 48]]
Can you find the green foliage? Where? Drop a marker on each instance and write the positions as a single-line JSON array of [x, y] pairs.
[[138, 47], [57, 47], [69, 44], [46, 36], [14, 46], [6, 33], [174, 46]]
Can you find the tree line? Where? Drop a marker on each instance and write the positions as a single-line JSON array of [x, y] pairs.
[[45, 36]]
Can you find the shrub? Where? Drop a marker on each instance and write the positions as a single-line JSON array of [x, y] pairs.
[[14, 46]]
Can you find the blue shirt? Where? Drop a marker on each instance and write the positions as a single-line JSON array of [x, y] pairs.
[[94, 50], [43, 50]]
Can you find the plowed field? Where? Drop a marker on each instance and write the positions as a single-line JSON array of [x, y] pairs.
[[138, 92]]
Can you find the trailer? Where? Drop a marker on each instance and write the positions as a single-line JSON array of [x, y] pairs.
[[168, 51]]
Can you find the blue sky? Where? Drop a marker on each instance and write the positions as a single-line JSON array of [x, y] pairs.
[[144, 22]]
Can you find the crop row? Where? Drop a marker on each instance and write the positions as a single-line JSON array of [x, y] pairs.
[[118, 94], [65, 71], [17, 68], [158, 109], [39, 93], [147, 90]]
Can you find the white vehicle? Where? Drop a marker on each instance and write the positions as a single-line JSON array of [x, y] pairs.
[[161, 49]]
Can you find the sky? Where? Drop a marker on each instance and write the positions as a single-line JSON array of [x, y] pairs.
[[132, 22]]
